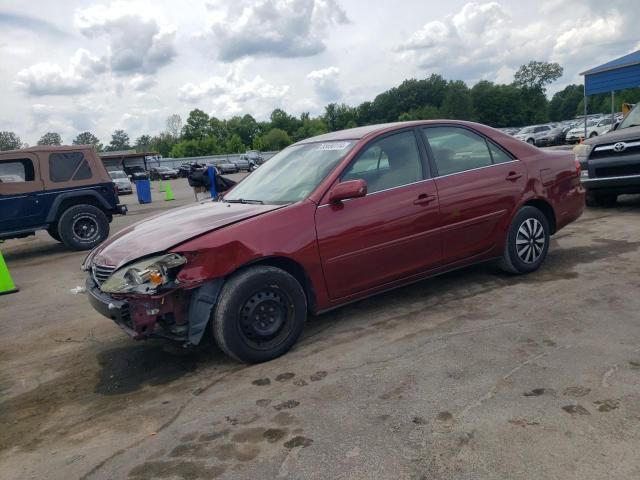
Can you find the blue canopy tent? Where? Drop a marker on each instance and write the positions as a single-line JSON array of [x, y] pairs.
[[618, 74]]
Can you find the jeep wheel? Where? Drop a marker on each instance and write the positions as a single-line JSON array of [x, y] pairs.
[[83, 227], [601, 199], [260, 314], [527, 242]]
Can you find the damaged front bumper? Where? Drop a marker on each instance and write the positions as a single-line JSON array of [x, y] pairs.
[[177, 315]]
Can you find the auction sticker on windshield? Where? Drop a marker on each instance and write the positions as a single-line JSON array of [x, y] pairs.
[[332, 146]]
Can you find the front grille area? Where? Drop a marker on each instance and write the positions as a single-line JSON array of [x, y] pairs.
[[100, 273], [618, 171]]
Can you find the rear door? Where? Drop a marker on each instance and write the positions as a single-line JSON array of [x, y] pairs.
[[479, 184], [20, 187], [389, 234]]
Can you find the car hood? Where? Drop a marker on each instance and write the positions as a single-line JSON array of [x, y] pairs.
[[164, 231], [122, 181], [623, 135]]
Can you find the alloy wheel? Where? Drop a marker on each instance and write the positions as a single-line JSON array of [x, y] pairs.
[[530, 240]]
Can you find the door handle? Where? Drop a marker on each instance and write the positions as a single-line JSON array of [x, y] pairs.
[[424, 199], [513, 176]]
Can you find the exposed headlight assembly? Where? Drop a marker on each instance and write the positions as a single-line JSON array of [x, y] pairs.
[[145, 276]]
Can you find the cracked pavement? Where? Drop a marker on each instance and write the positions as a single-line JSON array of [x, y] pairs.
[[470, 375]]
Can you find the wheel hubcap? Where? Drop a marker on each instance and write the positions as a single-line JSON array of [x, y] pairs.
[[266, 318], [530, 240], [85, 228]]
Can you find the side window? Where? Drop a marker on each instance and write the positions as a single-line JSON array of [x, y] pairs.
[[17, 170], [390, 162], [457, 149], [68, 166], [497, 154]]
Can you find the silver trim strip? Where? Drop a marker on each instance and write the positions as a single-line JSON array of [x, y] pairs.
[[603, 179], [479, 168], [602, 148]]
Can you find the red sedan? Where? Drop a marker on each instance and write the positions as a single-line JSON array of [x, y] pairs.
[[330, 220]]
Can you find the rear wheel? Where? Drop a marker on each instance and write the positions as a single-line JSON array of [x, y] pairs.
[[260, 314], [83, 227], [527, 242], [531, 141], [601, 199]]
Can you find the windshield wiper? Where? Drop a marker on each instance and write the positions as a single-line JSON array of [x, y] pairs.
[[245, 201]]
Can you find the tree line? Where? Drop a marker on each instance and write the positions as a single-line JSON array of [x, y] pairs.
[[519, 103]]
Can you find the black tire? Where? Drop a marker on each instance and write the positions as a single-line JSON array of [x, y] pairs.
[[531, 141], [260, 314], [524, 251], [601, 199], [83, 227], [53, 232], [593, 134]]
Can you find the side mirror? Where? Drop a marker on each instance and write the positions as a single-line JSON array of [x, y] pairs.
[[346, 190], [615, 126]]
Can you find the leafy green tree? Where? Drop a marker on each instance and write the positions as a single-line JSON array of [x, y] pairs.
[[50, 138], [88, 138], [119, 141], [234, 144], [245, 127], [564, 104], [428, 112], [457, 103], [142, 143], [274, 139], [9, 141], [197, 126], [310, 127], [283, 121], [163, 143], [338, 117], [537, 75]]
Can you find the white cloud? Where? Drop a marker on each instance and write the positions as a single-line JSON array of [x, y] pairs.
[[138, 42], [273, 28], [325, 83], [51, 79], [233, 94]]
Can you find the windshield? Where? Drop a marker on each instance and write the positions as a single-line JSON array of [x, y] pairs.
[[118, 175], [632, 120], [292, 174]]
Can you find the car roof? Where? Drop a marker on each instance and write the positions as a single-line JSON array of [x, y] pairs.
[[50, 148], [359, 133]]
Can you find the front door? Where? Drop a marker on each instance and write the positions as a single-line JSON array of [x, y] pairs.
[[479, 185], [390, 233], [20, 184]]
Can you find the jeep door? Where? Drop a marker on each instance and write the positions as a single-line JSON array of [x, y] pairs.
[[20, 186]]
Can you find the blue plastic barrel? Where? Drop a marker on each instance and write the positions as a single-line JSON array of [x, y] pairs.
[[143, 189]]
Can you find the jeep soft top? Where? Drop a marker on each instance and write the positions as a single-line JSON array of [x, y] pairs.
[[65, 190], [611, 162]]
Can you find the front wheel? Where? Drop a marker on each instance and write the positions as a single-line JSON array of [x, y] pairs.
[[531, 141], [260, 314], [83, 227], [527, 242], [593, 134]]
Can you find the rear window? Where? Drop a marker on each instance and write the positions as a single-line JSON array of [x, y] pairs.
[[67, 166], [16, 171]]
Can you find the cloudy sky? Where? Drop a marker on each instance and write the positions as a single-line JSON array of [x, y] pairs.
[[70, 66]]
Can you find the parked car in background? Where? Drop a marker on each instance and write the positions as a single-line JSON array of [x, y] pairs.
[[611, 162], [64, 190], [225, 166], [595, 127], [136, 173], [310, 230], [122, 182], [242, 163], [162, 173], [555, 136], [529, 134]]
